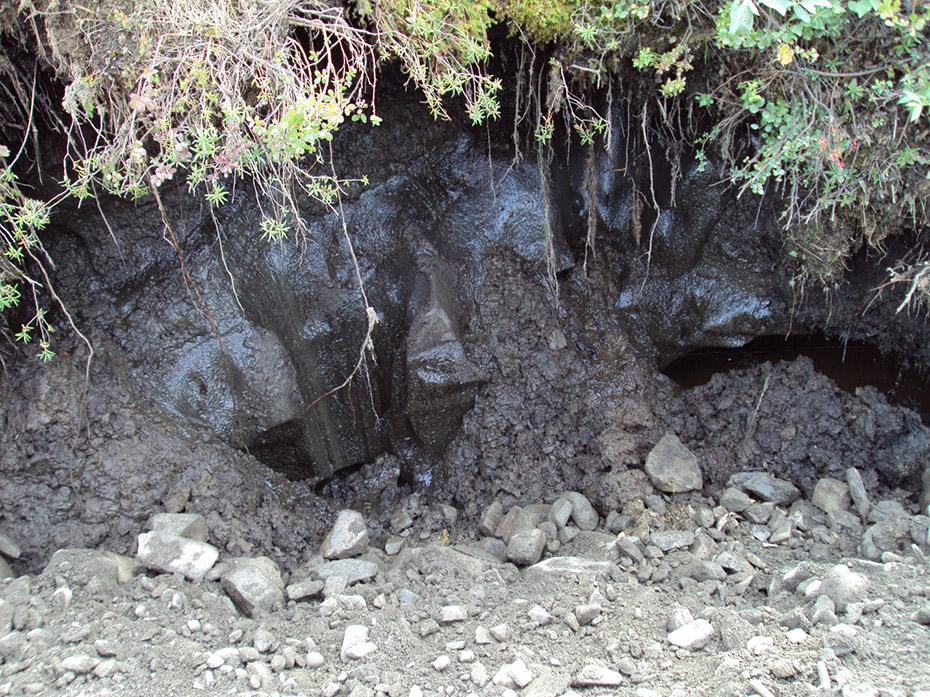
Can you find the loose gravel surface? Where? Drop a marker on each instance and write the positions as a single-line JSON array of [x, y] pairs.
[[674, 595]]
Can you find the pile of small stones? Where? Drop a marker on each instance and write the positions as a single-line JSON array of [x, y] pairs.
[[521, 608]]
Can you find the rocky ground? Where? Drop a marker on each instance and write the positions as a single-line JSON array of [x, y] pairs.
[[756, 590]]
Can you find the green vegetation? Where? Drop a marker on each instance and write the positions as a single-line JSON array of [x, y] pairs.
[[824, 104]]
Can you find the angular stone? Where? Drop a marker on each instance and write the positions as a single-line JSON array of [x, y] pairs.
[[567, 566], [583, 513], [526, 547], [629, 548], [857, 493], [513, 675], [6, 571], [401, 520], [348, 537], [354, 641], [560, 512], [586, 614], [491, 518], [80, 664], [302, 590], [514, 521], [193, 526], [672, 467], [924, 501], [703, 570], [8, 546], [734, 500], [251, 590], [692, 636], [394, 545], [170, 554], [597, 676], [353, 570], [766, 487], [831, 495], [83, 566], [844, 586], [668, 540], [452, 613]]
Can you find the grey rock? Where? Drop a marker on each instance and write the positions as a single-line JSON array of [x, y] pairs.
[[193, 526], [394, 545], [673, 468], [491, 518], [449, 614], [348, 537], [252, 590], [844, 520], [920, 530], [766, 487], [514, 675], [539, 615], [169, 553], [735, 500], [703, 570], [630, 548], [8, 546], [583, 513], [704, 517], [831, 495], [844, 586], [515, 520], [6, 571], [668, 540], [759, 513], [88, 566], [526, 547], [302, 590], [354, 642], [597, 676], [80, 664], [823, 611], [732, 563], [586, 614], [886, 511], [560, 512], [922, 615], [567, 566], [692, 636], [924, 501], [617, 522], [680, 617], [401, 520], [805, 516], [857, 492], [353, 570], [703, 546]]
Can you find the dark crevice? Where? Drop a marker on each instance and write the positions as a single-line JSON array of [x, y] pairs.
[[848, 363]]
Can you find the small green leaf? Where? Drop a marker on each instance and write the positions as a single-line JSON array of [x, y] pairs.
[[780, 6]]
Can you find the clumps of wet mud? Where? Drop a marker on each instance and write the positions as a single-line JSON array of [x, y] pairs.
[[84, 466], [569, 403], [792, 421]]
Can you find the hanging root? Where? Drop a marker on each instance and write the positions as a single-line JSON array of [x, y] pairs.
[[590, 188]]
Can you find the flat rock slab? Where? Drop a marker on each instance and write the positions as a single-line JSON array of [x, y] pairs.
[[766, 487], [692, 636], [348, 537], [173, 554], [8, 546], [82, 566], [193, 526], [672, 467], [567, 566], [597, 676], [251, 590], [353, 570]]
